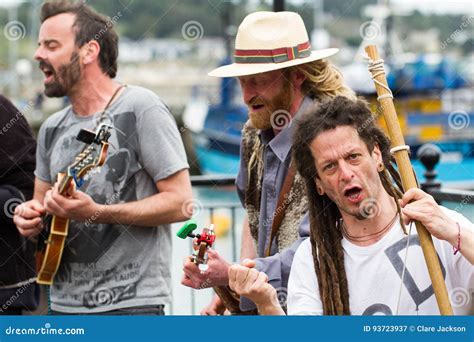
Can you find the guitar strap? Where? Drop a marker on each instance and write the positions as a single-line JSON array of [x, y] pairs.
[[102, 115], [281, 205]]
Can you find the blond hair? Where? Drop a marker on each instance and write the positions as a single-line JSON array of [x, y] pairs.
[[323, 80]]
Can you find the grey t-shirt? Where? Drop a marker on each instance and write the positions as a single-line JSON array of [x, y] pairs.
[[111, 266]]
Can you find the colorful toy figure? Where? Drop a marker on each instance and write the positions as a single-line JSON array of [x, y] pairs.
[[201, 243]]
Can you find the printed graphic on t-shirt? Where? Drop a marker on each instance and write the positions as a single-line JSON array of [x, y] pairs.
[[418, 295]]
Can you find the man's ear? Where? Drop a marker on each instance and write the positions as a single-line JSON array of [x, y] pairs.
[[377, 154], [319, 187], [90, 52], [298, 78]]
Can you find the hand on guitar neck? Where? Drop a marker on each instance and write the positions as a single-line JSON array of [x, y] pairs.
[[71, 203], [215, 275]]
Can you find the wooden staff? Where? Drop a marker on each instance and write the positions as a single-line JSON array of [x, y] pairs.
[[400, 151]]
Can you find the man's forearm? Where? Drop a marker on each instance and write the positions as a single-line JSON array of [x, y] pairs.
[[271, 306], [162, 208], [271, 310], [247, 250]]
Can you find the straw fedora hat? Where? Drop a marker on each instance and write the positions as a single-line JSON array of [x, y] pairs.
[[269, 41]]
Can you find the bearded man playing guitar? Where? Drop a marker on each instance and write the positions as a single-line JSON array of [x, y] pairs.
[[117, 252]]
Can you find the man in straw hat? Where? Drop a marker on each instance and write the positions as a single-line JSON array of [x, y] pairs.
[[360, 258], [281, 78]]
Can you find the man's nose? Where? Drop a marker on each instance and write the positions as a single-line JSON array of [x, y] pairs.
[[345, 171], [39, 54], [248, 92]]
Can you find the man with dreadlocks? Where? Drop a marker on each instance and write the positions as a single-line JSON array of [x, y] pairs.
[[356, 260], [281, 78]]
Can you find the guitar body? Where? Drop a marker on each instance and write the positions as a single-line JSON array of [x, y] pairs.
[[48, 258], [52, 239]]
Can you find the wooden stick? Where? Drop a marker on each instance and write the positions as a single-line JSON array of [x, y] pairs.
[[408, 180]]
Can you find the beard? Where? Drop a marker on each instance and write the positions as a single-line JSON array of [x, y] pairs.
[[281, 101], [65, 79]]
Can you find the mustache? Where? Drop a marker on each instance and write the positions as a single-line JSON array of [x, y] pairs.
[[256, 100]]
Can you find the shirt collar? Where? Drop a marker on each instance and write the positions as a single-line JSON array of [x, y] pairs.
[[281, 143]]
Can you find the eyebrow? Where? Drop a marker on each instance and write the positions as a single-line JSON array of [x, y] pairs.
[[345, 155], [49, 41]]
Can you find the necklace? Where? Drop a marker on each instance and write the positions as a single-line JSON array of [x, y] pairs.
[[103, 114], [367, 237]]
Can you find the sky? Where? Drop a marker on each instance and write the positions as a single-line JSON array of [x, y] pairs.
[[425, 6], [438, 7]]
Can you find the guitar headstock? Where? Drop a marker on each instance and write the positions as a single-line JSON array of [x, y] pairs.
[[93, 155]]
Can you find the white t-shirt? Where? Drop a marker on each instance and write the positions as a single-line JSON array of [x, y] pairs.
[[374, 277]]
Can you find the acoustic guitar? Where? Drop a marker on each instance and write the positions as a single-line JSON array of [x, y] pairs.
[[52, 239]]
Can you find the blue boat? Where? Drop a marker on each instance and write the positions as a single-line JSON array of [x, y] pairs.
[[216, 128], [424, 116]]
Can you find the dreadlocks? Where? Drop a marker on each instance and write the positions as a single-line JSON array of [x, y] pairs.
[[324, 215]]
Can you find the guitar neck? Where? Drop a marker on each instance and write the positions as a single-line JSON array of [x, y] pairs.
[[64, 184]]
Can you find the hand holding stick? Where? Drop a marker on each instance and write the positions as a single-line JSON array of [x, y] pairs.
[[400, 151]]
